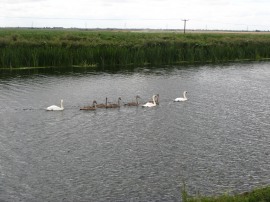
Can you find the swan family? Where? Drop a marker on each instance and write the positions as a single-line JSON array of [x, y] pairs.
[[154, 102]]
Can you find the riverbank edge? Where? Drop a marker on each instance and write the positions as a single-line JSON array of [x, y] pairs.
[[256, 195]]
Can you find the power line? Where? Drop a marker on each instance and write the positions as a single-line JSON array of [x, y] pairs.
[[112, 19], [132, 19], [185, 20]]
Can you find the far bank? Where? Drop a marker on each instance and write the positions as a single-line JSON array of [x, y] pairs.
[[101, 48]]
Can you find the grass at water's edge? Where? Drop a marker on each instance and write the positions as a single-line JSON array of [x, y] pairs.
[[77, 48], [257, 195]]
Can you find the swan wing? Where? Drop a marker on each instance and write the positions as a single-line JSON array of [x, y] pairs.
[[51, 107], [54, 108], [149, 104], [180, 99]]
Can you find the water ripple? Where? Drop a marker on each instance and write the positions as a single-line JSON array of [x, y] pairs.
[[215, 142]]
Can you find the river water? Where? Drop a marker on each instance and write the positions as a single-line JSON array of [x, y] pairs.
[[216, 142]]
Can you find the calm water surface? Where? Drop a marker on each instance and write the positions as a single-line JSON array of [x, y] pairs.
[[216, 142]]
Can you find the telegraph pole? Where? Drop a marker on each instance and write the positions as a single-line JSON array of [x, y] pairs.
[[185, 20]]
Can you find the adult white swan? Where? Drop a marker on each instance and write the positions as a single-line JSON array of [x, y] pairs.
[[56, 108], [156, 98], [181, 99], [151, 104]]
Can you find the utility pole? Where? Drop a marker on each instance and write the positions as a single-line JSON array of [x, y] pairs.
[[185, 20]]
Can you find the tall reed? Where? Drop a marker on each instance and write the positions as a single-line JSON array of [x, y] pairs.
[[43, 48]]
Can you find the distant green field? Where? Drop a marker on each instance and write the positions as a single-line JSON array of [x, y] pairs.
[[89, 48]]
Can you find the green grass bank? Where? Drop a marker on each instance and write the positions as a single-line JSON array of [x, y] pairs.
[[90, 48], [257, 195]]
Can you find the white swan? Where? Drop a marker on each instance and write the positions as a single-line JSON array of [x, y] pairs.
[[156, 98], [151, 104], [181, 99], [55, 108]]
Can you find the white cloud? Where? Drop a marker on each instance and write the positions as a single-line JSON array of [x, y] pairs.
[[211, 14]]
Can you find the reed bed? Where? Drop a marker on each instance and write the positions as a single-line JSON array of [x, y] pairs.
[[88, 48]]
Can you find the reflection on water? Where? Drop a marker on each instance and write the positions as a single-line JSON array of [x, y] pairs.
[[216, 142]]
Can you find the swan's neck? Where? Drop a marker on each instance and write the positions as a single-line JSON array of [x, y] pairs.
[[154, 100], [61, 104], [184, 94]]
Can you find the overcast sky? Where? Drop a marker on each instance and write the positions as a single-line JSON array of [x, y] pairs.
[[161, 14]]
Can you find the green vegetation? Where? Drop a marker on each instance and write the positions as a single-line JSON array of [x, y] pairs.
[[257, 195], [88, 48]]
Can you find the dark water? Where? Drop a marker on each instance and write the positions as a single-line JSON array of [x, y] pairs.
[[216, 142]]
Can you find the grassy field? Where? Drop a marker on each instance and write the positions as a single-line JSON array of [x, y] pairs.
[[257, 195], [96, 48]]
